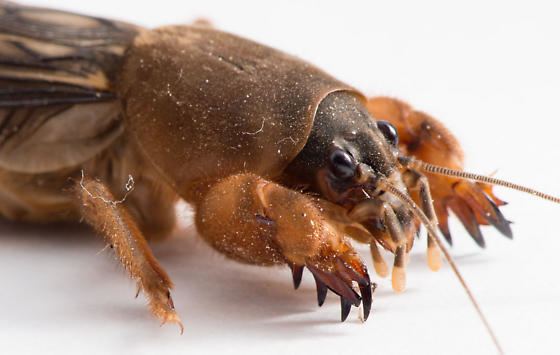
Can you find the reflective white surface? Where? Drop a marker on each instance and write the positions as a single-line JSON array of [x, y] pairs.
[[489, 71]]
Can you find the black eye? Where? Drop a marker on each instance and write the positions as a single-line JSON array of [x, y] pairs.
[[389, 132], [342, 164]]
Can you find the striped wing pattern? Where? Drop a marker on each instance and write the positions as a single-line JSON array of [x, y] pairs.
[[57, 106]]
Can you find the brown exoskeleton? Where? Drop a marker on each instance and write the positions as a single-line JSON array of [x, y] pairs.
[[281, 161]]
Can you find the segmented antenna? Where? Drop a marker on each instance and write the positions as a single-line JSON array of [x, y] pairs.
[[440, 170], [386, 185]]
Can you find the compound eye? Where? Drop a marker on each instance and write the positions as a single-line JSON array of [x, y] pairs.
[[389, 132], [343, 165]]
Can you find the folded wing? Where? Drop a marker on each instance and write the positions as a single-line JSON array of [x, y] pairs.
[[57, 70]]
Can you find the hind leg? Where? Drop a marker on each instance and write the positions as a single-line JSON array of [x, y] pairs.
[[113, 220], [427, 139]]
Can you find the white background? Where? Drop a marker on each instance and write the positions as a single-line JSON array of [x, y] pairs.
[[489, 70]]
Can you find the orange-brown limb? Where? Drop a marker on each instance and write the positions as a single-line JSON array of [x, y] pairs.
[[419, 187], [256, 221], [112, 220], [426, 139]]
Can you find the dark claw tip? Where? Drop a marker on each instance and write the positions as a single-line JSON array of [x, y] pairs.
[[479, 240], [476, 234], [506, 231], [447, 237], [499, 221], [321, 291], [297, 273], [366, 292], [345, 306]]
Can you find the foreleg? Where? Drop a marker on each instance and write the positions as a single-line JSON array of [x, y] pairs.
[[425, 138], [256, 221]]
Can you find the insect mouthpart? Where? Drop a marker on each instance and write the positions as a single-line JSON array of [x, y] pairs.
[[389, 221]]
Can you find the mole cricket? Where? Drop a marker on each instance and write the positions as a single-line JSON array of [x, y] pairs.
[[282, 163]]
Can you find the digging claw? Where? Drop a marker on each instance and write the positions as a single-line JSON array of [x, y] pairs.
[[340, 278], [497, 219], [297, 273], [366, 291], [344, 308], [475, 205], [337, 284], [321, 291]]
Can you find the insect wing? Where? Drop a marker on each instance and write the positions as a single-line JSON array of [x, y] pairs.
[[57, 108]]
